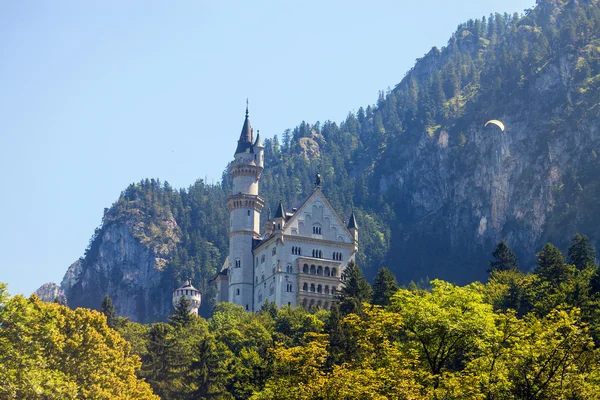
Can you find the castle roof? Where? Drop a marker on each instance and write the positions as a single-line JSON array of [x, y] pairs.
[[246, 136], [352, 223], [280, 213], [187, 285]]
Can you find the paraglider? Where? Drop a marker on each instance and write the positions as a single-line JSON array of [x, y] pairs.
[[495, 122]]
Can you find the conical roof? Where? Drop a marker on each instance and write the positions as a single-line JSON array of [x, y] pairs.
[[280, 213], [187, 285], [245, 141], [352, 223]]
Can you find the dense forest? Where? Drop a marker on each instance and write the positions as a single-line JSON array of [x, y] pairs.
[[519, 336], [433, 189]]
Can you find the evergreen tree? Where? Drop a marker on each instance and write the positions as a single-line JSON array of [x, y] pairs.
[[505, 259], [356, 290], [385, 286], [337, 339], [551, 266], [581, 252], [109, 311], [181, 316]]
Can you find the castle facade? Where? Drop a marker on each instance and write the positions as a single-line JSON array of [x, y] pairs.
[[299, 258]]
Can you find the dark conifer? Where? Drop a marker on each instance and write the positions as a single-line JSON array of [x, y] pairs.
[[504, 257], [551, 266], [581, 252], [181, 316], [356, 290], [109, 311], [385, 286]]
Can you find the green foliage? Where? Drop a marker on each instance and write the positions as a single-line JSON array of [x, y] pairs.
[[504, 258], [181, 316], [581, 252], [355, 291], [384, 287], [48, 351], [108, 310]]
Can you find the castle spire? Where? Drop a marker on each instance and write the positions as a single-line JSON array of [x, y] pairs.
[[246, 136], [352, 224]]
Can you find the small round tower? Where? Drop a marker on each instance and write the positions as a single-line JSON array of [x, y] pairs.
[[191, 294]]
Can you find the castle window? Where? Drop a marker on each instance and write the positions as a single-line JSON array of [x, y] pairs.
[[262, 276], [274, 251], [237, 292], [288, 268], [288, 288], [313, 270], [262, 258], [289, 304], [305, 287], [312, 287], [305, 269], [248, 212], [238, 263], [333, 272], [319, 270], [260, 296], [327, 271], [319, 289], [326, 289], [333, 290], [271, 290], [316, 229], [246, 307], [278, 226]]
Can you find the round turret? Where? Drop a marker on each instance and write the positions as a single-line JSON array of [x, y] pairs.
[[191, 294]]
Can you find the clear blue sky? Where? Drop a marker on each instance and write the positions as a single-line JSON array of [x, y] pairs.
[[95, 95]]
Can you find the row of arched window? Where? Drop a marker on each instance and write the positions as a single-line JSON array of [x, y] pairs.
[[238, 263], [315, 303], [296, 250], [318, 288], [185, 292], [317, 253], [317, 229], [319, 270], [337, 256], [243, 204]]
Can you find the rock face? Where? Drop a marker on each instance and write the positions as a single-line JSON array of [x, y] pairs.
[[50, 292], [129, 271]]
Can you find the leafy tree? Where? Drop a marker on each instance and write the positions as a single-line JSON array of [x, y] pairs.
[[504, 258], [109, 311], [385, 286], [48, 351], [581, 252], [356, 290]]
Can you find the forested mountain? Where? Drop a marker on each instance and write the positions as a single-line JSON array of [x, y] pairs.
[[433, 189]]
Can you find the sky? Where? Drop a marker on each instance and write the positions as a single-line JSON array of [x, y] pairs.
[[95, 95]]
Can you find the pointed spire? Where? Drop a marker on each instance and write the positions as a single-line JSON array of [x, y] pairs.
[[352, 224], [280, 213], [257, 142], [245, 141]]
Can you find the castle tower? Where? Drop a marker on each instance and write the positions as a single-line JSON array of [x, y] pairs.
[[192, 295], [244, 207]]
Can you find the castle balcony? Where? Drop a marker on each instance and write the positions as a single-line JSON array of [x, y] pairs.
[[242, 200]]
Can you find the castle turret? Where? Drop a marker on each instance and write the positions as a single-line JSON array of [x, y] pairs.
[[191, 294], [244, 207], [353, 229]]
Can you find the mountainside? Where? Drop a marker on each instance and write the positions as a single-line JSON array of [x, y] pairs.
[[434, 190]]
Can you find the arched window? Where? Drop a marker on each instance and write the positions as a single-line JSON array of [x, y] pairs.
[[288, 288], [237, 292], [305, 287], [320, 254], [326, 289], [260, 296], [313, 270], [319, 270], [333, 272], [333, 290], [319, 289], [262, 258], [289, 268], [238, 263], [271, 289], [274, 251], [327, 272], [312, 287], [305, 268], [316, 229]]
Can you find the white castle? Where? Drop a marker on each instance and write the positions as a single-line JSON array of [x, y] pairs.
[[300, 258], [191, 294]]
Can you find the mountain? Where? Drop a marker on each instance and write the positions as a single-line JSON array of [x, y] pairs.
[[434, 189]]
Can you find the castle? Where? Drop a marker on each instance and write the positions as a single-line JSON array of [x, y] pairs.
[[300, 258]]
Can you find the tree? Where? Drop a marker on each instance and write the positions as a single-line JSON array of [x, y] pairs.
[[504, 258], [181, 316], [356, 290], [48, 351], [385, 286], [109, 311], [581, 252], [551, 266]]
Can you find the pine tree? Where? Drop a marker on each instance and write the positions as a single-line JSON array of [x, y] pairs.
[[109, 311], [505, 259], [581, 252], [551, 266], [385, 286], [337, 338], [181, 316], [356, 290]]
